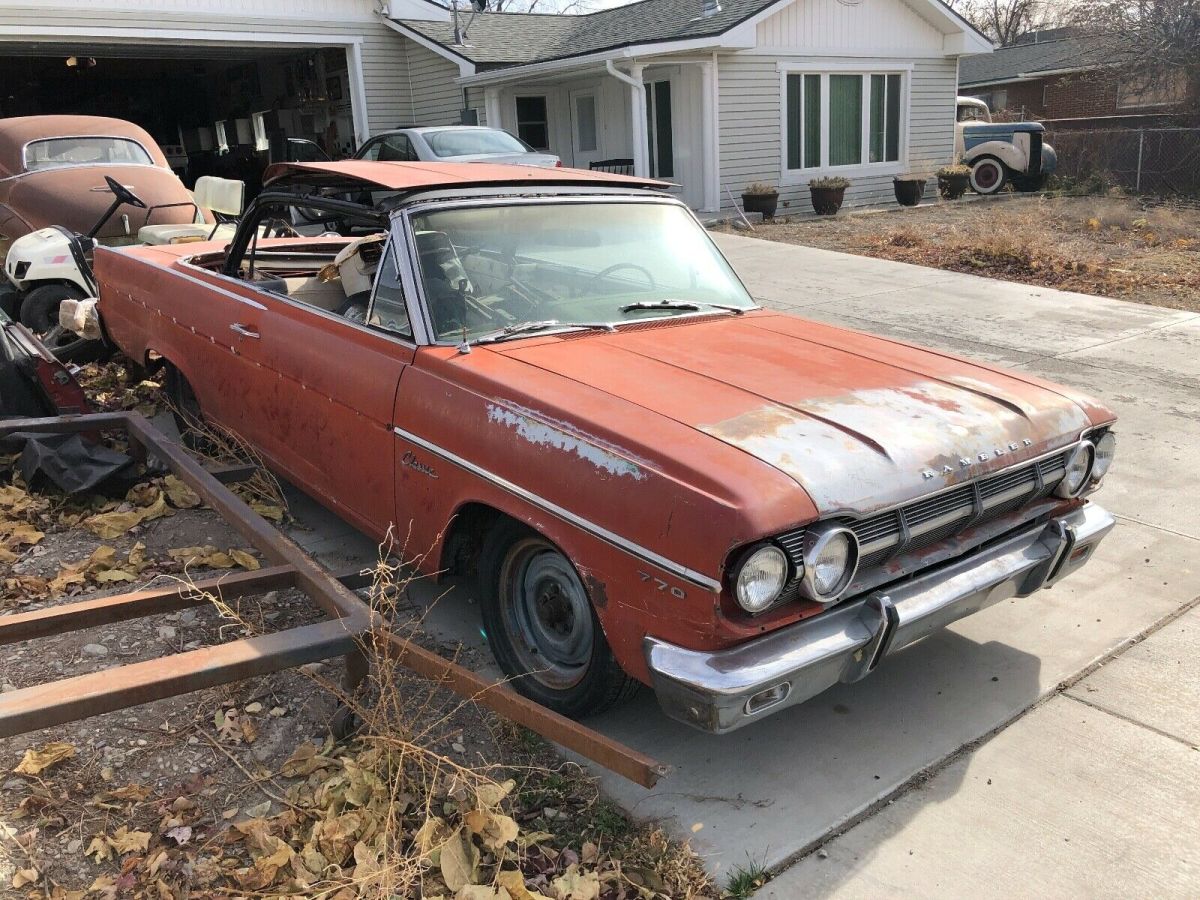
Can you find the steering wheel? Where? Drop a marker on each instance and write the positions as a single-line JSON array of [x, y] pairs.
[[616, 267], [280, 228], [124, 194]]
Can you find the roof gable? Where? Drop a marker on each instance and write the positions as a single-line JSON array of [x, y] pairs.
[[518, 38], [511, 39]]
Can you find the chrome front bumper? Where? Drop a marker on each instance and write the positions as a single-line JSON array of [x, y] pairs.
[[721, 690]]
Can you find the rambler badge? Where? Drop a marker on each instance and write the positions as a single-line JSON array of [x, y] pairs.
[[965, 462]]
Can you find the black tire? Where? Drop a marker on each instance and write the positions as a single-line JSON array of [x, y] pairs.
[[577, 675], [1028, 184], [988, 175], [39, 313]]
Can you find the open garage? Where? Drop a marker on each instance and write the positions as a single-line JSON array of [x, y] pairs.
[[213, 110], [215, 81]]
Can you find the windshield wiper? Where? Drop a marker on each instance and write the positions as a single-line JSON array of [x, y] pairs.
[[692, 305], [515, 330], [522, 328]]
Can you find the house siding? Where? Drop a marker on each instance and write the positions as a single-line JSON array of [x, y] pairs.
[[436, 99], [836, 25], [385, 77], [751, 141]]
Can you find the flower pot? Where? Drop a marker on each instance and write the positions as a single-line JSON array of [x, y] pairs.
[[909, 191], [827, 201], [761, 203], [951, 187]]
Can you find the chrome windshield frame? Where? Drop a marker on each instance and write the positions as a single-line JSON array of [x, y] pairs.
[[402, 228]]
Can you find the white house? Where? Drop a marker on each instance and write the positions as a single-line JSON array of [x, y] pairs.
[[716, 95], [710, 95]]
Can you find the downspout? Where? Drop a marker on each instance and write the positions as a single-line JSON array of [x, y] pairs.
[[641, 155]]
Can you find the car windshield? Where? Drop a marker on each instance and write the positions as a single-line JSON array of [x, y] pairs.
[[493, 271], [469, 142], [84, 151], [969, 112]]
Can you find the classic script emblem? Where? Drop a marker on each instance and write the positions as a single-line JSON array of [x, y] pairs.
[[965, 462], [410, 459]]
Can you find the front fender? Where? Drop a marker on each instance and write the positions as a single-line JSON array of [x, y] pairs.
[[1009, 154]]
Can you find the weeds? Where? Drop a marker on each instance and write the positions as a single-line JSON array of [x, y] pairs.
[[745, 880]]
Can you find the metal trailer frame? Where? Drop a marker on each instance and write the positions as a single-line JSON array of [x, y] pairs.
[[351, 631]]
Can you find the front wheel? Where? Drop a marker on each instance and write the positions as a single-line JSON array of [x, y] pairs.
[[542, 628], [39, 313], [988, 175]]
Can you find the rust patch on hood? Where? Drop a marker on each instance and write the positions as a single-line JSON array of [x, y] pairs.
[[872, 448]]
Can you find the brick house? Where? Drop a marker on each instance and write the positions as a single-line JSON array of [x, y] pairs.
[[1060, 74]]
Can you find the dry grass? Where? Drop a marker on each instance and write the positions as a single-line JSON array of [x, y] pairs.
[[1096, 245], [400, 810]]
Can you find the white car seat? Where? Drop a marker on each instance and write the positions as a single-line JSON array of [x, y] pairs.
[[223, 196]]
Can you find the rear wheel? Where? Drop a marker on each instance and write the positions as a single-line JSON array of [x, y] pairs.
[[39, 313], [542, 628], [988, 175], [184, 406], [1027, 184]]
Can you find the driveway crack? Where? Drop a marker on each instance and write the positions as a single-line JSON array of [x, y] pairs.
[[1100, 707]]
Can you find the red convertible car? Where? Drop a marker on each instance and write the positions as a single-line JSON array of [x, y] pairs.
[[556, 381]]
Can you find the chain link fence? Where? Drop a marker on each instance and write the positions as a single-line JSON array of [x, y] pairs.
[[1162, 161]]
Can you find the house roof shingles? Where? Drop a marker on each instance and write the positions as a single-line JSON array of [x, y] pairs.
[[1028, 59], [509, 39]]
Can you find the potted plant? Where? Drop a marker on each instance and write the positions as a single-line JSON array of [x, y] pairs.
[[953, 181], [909, 189], [761, 197], [828, 193]]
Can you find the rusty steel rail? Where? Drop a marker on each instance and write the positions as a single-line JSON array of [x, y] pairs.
[[351, 631]]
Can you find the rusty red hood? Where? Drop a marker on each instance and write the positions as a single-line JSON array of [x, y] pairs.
[[859, 422]]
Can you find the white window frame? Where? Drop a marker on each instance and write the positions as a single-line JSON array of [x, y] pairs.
[[865, 68]]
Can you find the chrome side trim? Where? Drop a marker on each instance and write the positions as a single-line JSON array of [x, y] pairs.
[[566, 515]]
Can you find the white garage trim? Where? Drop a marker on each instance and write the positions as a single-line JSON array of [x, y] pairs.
[[100, 35]]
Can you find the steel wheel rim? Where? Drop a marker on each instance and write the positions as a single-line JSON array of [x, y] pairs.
[[986, 175], [547, 615], [57, 339]]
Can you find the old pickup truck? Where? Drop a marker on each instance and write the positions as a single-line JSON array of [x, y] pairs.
[[552, 380]]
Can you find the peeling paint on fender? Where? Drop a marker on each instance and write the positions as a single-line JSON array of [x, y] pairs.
[[536, 430]]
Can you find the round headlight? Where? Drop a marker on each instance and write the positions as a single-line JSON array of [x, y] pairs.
[[761, 578], [1106, 449], [1079, 469], [830, 561]]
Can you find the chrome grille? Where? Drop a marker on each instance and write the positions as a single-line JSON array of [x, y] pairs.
[[923, 523]]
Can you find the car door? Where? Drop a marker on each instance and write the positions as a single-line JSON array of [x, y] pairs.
[[328, 414]]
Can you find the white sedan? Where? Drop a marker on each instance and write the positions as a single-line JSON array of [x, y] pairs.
[[453, 143]]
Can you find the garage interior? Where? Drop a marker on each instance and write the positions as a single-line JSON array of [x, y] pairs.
[[214, 111]]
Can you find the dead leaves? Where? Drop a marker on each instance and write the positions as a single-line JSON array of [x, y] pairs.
[[209, 556], [110, 525], [25, 877], [45, 757], [103, 566], [180, 495], [123, 841]]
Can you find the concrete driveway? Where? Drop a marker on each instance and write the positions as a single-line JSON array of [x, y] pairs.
[[896, 752]]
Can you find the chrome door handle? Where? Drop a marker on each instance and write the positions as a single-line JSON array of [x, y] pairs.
[[244, 330]]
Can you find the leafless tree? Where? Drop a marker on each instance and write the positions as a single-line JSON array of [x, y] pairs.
[[565, 7], [1005, 20], [1155, 44]]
